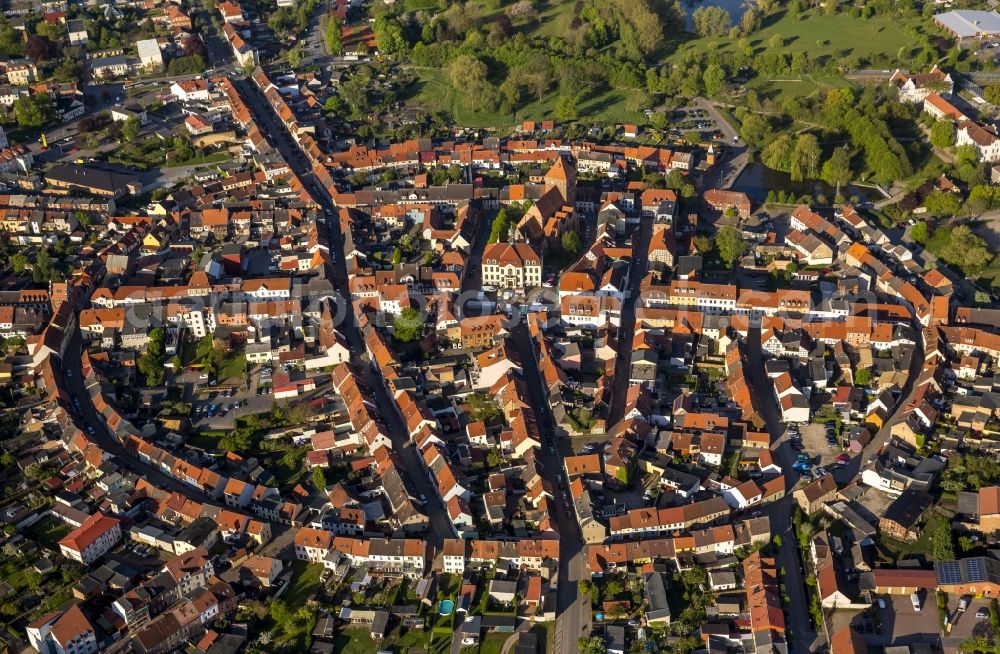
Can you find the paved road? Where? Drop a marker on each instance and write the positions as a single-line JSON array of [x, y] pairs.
[[780, 512], [413, 468], [220, 54], [728, 131], [623, 361], [573, 615], [104, 438]]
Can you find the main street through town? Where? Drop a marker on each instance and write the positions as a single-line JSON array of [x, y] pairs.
[[418, 483]]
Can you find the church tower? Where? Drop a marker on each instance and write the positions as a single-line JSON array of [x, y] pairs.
[[562, 175]]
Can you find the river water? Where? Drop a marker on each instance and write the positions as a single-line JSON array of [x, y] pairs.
[[757, 179]]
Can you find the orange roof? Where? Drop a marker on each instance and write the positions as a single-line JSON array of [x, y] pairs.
[[86, 534]]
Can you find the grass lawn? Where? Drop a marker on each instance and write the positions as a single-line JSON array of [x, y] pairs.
[[206, 440], [990, 278], [355, 641], [554, 19], [449, 584], [435, 91], [798, 86], [215, 157], [880, 39], [492, 643], [48, 532], [304, 584]]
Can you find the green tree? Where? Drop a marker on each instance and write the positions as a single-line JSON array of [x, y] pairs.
[[920, 233], [992, 93], [19, 261], [941, 546], [408, 326], [319, 478], [150, 363], [837, 169], [34, 110], [11, 39], [592, 645], [805, 158], [703, 244], [777, 153], [567, 108], [731, 244], [570, 242], [863, 377], [967, 251], [711, 21], [130, 129], [942, 203], [942, 134], [756, 130], [295, 55], [331, 36], [714, 78], [482, 406], [501, 226], [679, 182]]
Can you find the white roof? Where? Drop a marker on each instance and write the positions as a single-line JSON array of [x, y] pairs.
[[968, 23], [148, 49]]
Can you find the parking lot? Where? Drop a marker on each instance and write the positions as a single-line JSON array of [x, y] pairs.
[[973, 621], [814, 445]]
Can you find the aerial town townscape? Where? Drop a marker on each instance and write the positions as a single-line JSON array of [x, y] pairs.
[[500, 326]]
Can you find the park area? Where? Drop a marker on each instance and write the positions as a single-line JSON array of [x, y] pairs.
[[875, 42]]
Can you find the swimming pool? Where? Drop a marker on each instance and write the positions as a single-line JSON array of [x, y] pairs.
[[446, 607]]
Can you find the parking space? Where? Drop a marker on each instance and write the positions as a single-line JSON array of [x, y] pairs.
[[899, 623], [694, 119], [817, 445], [973, 621]]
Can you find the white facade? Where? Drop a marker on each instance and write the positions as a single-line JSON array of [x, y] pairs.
[[150, 56]]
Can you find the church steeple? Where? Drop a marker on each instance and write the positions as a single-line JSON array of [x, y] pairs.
[[562, 175]]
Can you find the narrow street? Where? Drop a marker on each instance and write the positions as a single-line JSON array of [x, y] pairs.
[[572, 609], [641, 235], [412, 466], [780, 512]]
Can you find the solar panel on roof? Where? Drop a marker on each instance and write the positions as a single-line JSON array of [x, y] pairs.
[[949, 572], [975, 570]]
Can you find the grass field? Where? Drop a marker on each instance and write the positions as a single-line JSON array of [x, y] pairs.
[[215, 157], [882, 40], [434, 91], [492, 643], [800, 86]]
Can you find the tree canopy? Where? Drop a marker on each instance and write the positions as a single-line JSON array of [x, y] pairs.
[[731, 244], [408, 326]]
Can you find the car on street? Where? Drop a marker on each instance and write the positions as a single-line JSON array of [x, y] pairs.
[[982, 613]]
